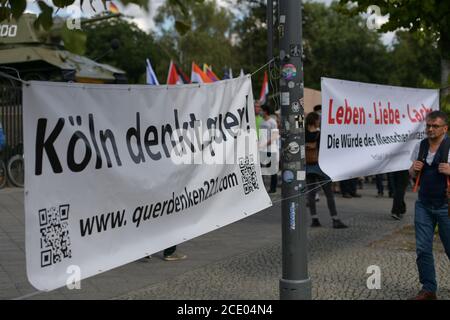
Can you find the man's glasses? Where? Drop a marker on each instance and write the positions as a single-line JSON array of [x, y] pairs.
[[434, 126]]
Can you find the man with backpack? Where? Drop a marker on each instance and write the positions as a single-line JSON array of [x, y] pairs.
[[431, 168]]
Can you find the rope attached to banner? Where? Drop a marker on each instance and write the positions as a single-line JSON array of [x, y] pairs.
[[8, 76]]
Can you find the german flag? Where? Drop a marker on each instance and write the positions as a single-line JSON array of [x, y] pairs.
[[113, 8]]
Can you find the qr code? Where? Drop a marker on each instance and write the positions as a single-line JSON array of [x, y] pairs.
[[55, 240], [248, 172]]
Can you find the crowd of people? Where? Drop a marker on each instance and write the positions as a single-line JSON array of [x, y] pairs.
[[430, 169]]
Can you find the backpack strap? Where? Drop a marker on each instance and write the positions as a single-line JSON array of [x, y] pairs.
[[422, 156], [445, 145], [423, 150], [444, 159]]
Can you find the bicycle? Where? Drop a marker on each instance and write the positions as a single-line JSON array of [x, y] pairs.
[[16, 168], [3, 178]]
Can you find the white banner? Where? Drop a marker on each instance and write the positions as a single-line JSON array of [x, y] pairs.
[[116, 172], [369, 129]]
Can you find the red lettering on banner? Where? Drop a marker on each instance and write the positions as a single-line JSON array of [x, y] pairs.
[[415, 115], [386, 115], [346, 115]]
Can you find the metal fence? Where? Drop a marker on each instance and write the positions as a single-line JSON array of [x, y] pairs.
[[11, 119]]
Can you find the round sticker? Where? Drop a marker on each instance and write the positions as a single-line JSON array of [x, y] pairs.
[[295, 107], [291, 84], [289, 71], [288, 176], [293, 147]]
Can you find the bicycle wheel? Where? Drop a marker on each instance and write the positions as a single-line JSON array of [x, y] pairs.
[[16, 170], [3, 178]]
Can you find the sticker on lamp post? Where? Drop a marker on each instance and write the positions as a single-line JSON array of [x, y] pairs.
[[288, 71]]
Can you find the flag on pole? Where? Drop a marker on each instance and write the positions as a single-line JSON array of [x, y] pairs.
[[172, 76], [211, 74], [241, 74], [151, 76], [227, 74], [205, 67], [182, 75], [264, 89], [198, 76], [176, 75]]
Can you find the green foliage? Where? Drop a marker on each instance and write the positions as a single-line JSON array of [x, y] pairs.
[[17, 7], [205, 38], [45, 18], [135, 47], [427, 19], [341, 47], [252, 40], [74, 40], [415, 61]]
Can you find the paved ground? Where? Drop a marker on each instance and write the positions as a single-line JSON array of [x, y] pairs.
[[243, 260]]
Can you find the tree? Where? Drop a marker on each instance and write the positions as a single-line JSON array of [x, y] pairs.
[[341, 47], [251, 39], [16, 8], [135, 46], [414, 61], [426, 18], [207, 41]]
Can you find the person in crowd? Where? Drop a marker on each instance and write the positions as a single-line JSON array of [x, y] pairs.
[[270, 127], [258, 117], [430, 166], [348, 188], [315, 176], [318, 109], [400, 181], [170, 254], [379, 184]]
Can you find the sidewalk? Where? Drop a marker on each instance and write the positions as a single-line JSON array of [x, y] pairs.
[[243, 260]]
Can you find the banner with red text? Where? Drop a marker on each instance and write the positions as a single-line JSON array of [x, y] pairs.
[[118, 172], [369, 129]]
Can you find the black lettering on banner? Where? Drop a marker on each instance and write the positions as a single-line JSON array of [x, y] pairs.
[[105, 136], [116, 219], [151, 142], [206, 184], [47, 146], [136, 133], [71, 163], [104, 222], [98, 163], [97, 142]]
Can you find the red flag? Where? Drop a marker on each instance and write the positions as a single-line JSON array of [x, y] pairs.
[[172, 76], [198, 76], [264, 89], [182, 75]]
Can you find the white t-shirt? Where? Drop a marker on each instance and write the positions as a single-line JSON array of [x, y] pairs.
[[430, 156], [266, 130]]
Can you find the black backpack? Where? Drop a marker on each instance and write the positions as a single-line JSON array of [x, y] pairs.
[[424, 146], [423, 151]]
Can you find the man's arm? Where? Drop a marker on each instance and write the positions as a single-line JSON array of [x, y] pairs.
[[415, 168], [444, 168]]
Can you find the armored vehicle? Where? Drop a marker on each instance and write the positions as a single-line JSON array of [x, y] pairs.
[[35, 54]]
